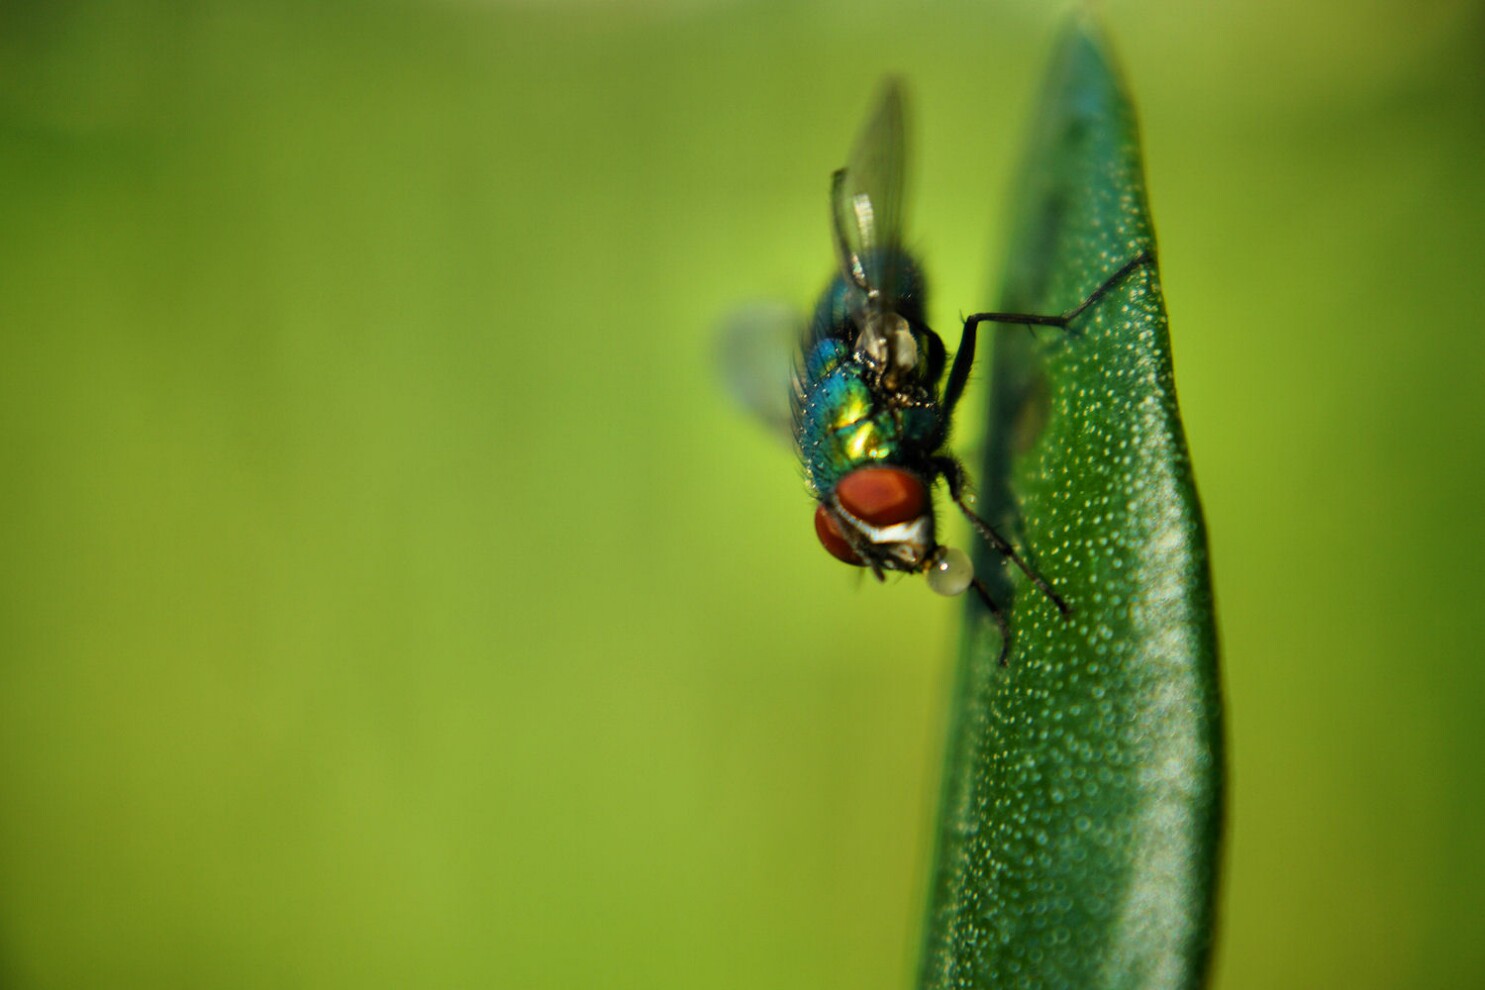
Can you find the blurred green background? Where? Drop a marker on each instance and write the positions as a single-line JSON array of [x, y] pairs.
[[392, 598]]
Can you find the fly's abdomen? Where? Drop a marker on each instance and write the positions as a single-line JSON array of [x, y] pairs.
[[834, 314]]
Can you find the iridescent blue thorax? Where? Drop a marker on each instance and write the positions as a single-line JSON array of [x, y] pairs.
[[849, 414]]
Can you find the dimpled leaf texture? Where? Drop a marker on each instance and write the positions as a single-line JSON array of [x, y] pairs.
[[1081, 805]]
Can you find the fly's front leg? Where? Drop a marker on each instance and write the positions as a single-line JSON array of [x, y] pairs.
[[998, 614], [953, 474]]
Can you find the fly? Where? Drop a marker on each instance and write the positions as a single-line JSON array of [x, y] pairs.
[[871, 401]]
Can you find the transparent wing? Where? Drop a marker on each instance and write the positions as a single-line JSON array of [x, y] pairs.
[[868, 200], [757, 347]]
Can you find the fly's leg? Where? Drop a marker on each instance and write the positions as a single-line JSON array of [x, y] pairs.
[[953, 473], [952, 470], [964, 357], [932, 365], [1062, 321], [998, 615]]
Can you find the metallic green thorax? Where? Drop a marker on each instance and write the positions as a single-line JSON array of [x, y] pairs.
[[845, 415]]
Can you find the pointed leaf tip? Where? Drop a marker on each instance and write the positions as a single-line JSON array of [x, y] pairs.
[[1081, 805]]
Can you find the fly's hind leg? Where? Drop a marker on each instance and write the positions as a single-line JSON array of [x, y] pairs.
[[964, 357], [1063, 320]]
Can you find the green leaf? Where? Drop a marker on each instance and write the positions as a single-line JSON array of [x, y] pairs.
[[1081, 810]]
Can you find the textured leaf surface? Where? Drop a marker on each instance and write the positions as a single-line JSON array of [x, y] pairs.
[[1082, 798]]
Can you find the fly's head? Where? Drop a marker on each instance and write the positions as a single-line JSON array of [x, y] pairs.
[[882, 518]]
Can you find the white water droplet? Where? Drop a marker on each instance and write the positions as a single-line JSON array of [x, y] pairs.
[[950, 571]]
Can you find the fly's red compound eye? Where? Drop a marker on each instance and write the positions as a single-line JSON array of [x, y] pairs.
[[879, 497], [882, 496], [833, 540]]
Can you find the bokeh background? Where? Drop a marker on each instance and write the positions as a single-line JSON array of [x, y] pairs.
[[392, 597]]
